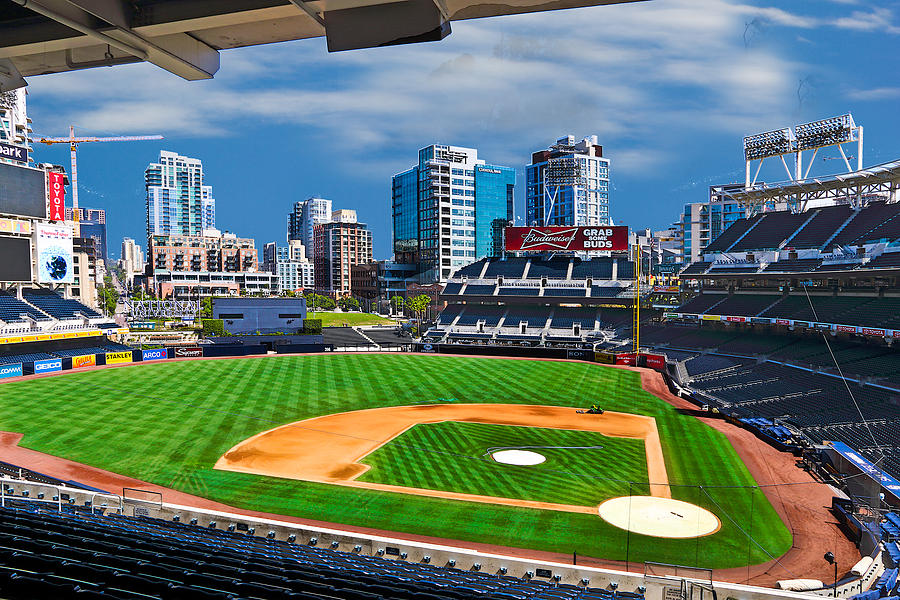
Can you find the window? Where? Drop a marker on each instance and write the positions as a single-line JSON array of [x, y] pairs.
[[290, 316], [231, 315]]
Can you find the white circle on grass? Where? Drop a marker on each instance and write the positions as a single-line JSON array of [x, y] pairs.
[[523, 458]]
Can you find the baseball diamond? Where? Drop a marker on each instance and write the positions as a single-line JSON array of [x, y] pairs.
[[170, 423]]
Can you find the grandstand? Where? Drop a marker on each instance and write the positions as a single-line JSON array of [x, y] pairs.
[[83, 552], [536, 300], [837, 239], [38, 310]]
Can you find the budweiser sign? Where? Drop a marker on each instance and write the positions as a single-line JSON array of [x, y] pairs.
[[555, 239]]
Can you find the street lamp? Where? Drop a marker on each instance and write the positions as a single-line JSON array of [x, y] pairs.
[[829, 557]]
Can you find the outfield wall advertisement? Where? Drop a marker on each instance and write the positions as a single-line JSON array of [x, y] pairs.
[[186, 352], [155, 354], [868, 331], [7, 371], [117, 358], [53, 246], [47, 366], [88, 360]]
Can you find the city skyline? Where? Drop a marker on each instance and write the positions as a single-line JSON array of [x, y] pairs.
[[670, 89]]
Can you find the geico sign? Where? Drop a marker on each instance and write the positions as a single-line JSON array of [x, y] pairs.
[[48, 365]]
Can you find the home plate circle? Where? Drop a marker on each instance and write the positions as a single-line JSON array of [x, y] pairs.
[[524, 458], [659, 517]]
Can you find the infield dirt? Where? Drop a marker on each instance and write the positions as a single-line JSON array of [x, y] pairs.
[[328, 449]]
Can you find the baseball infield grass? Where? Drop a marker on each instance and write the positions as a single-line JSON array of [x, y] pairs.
[[168, 423], [451, 457]]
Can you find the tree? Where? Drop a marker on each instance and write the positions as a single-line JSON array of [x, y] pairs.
[[397, 303], [349, 303], [418, 305], [108, 296], [206, 310]]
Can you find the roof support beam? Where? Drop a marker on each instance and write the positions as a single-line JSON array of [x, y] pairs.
[[108, 21], [10, 78], [302, 5]]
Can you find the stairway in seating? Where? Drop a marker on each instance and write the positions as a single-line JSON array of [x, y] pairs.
[[745, 234], [363, 333], [502, 320], [769, 306], [724, 298], [797, 231], [548, 321], [839, 229]]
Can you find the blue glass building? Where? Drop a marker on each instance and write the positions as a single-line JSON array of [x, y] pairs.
[[444, 208]]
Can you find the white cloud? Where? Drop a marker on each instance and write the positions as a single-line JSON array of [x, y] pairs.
[[880, 93], [657, 70]]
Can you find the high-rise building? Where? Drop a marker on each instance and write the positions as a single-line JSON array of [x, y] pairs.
[[337, 248], [443, 209], [92, 224], [132, 261], [703, 222], [294, 270], [15, 127], [177, 201], [568, 184], [304, 216], [183, 266], [344, 215]]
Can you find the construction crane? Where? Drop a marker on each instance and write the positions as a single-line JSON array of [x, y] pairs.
[[73, 144]]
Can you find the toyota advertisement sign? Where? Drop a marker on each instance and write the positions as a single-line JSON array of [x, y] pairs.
[[566, 239]]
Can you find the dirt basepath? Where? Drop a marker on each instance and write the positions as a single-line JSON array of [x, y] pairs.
[[328, 449], [805, 508]]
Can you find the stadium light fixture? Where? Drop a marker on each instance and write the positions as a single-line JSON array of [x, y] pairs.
[[825, 132], [769, 143]]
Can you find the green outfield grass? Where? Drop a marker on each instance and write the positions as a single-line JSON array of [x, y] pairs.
[[451, 457], [168, 423], [341, 319]]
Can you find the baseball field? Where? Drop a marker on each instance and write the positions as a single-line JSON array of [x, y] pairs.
[[405, 443]]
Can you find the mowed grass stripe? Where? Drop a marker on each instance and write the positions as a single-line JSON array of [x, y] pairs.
[[450, 456], [168, 423]]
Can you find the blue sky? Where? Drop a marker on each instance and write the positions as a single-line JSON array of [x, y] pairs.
[[669, 86]]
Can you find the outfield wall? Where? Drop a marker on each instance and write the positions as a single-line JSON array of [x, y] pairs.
[[138, 503]]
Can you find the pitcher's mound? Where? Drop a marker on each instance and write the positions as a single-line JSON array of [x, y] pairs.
[[659, 517]]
